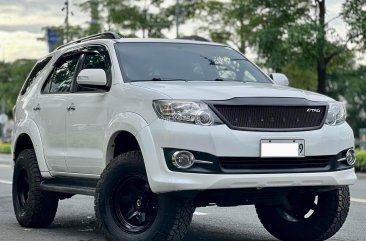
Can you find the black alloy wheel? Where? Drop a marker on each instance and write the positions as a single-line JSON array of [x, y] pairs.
[[307, 215], [298, 205], [33, 207], [127, 209], [23, 187], [135, 205]]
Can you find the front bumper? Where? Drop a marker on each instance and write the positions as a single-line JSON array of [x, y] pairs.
[[223, 141]]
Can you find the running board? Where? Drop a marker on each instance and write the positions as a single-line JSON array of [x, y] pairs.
[[65, 185]]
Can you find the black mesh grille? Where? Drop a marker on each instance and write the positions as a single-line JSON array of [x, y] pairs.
[[274, 163], [272, 117]]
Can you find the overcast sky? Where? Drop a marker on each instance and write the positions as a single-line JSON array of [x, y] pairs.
[[21, 23]]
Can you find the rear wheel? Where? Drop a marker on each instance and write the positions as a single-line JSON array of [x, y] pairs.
[[33, 208], [306, 215], [127, 209]]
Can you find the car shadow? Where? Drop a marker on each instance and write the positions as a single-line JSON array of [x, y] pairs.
[[209, 232]]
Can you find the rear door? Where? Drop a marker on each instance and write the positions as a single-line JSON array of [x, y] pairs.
[[86, 122], [51, 110]]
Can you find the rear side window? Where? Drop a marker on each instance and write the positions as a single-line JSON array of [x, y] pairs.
[[37, 69], [62, 76]]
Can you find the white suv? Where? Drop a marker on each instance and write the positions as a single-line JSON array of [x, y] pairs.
[[155, 128]]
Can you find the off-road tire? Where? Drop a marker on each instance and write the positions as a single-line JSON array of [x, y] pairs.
[[326, 220], [173, 217], [39, 208]]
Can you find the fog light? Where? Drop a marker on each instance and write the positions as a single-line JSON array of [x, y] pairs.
[[350, 157], [183, 159]]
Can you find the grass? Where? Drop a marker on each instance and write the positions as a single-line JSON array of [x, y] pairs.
[[5, 148], [361, 161]]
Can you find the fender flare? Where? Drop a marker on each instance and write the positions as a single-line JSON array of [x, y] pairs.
[[127, 121], [30, 128]]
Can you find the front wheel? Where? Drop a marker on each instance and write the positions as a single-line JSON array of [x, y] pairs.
[[306, 215], [127, 209]]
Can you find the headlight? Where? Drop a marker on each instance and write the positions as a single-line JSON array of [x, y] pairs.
[[194, 112], [336, 114]]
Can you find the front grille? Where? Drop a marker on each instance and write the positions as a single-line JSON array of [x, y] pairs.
[[255, 163], [272, 117]]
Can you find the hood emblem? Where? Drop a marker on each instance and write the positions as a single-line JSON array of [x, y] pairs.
[[313, 110]]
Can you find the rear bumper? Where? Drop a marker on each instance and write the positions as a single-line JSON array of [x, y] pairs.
[[222, 141]]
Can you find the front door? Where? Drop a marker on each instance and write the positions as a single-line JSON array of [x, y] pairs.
[[86, 121]]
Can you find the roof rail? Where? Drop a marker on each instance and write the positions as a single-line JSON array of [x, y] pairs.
[[106, 35]]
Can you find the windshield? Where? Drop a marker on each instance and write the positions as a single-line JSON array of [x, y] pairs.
[[185, 62]]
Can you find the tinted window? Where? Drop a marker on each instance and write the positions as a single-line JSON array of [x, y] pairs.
[[180, 61], [94, 61], [37, 69], [96, 57], [62, 76]]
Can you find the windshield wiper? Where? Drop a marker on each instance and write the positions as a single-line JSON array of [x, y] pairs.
[[167, 79], [161, 79], [221, 79]]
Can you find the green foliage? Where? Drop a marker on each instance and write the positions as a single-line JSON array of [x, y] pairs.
[[5, 148], [12, 77], [301, 77], [92, 6], [349, 85], [277, 22], [354, 14], [361, 161], [129, 16]]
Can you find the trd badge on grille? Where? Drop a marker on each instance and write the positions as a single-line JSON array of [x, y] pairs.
[[312, 110]]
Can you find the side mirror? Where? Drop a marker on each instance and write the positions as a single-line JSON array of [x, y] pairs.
[[92, 77], [279, 79]]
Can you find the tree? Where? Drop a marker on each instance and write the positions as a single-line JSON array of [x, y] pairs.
[[354, 14], [129, 17], [275, 20], [308, 40], [93, 6], [225, 22], [12, 77], [349, 85]]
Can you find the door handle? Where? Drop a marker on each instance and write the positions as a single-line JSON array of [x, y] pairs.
[[71, 107], [37, 108]]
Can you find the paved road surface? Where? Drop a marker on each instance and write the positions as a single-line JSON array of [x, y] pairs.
[[75, 219]]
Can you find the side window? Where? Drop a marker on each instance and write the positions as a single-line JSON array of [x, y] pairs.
[[94, 61], [96, 58], [62, 76], [37, 69]]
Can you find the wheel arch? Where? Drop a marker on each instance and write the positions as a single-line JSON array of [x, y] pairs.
[[23, 142], [121, 142], [123, 134], [27, 135]]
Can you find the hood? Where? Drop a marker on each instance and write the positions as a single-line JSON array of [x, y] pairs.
[[208, 90]]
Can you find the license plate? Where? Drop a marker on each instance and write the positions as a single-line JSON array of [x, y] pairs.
[[282, 148]]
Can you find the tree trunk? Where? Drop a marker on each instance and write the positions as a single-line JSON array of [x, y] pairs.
[[322, 77], [322, 63]]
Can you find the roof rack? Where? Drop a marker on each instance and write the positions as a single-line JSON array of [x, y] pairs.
[[106, 35]]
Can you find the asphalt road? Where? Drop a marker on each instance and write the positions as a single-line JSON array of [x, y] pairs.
[[75, 219]]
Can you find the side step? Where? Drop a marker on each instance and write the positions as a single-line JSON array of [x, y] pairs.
[[66, 185]]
